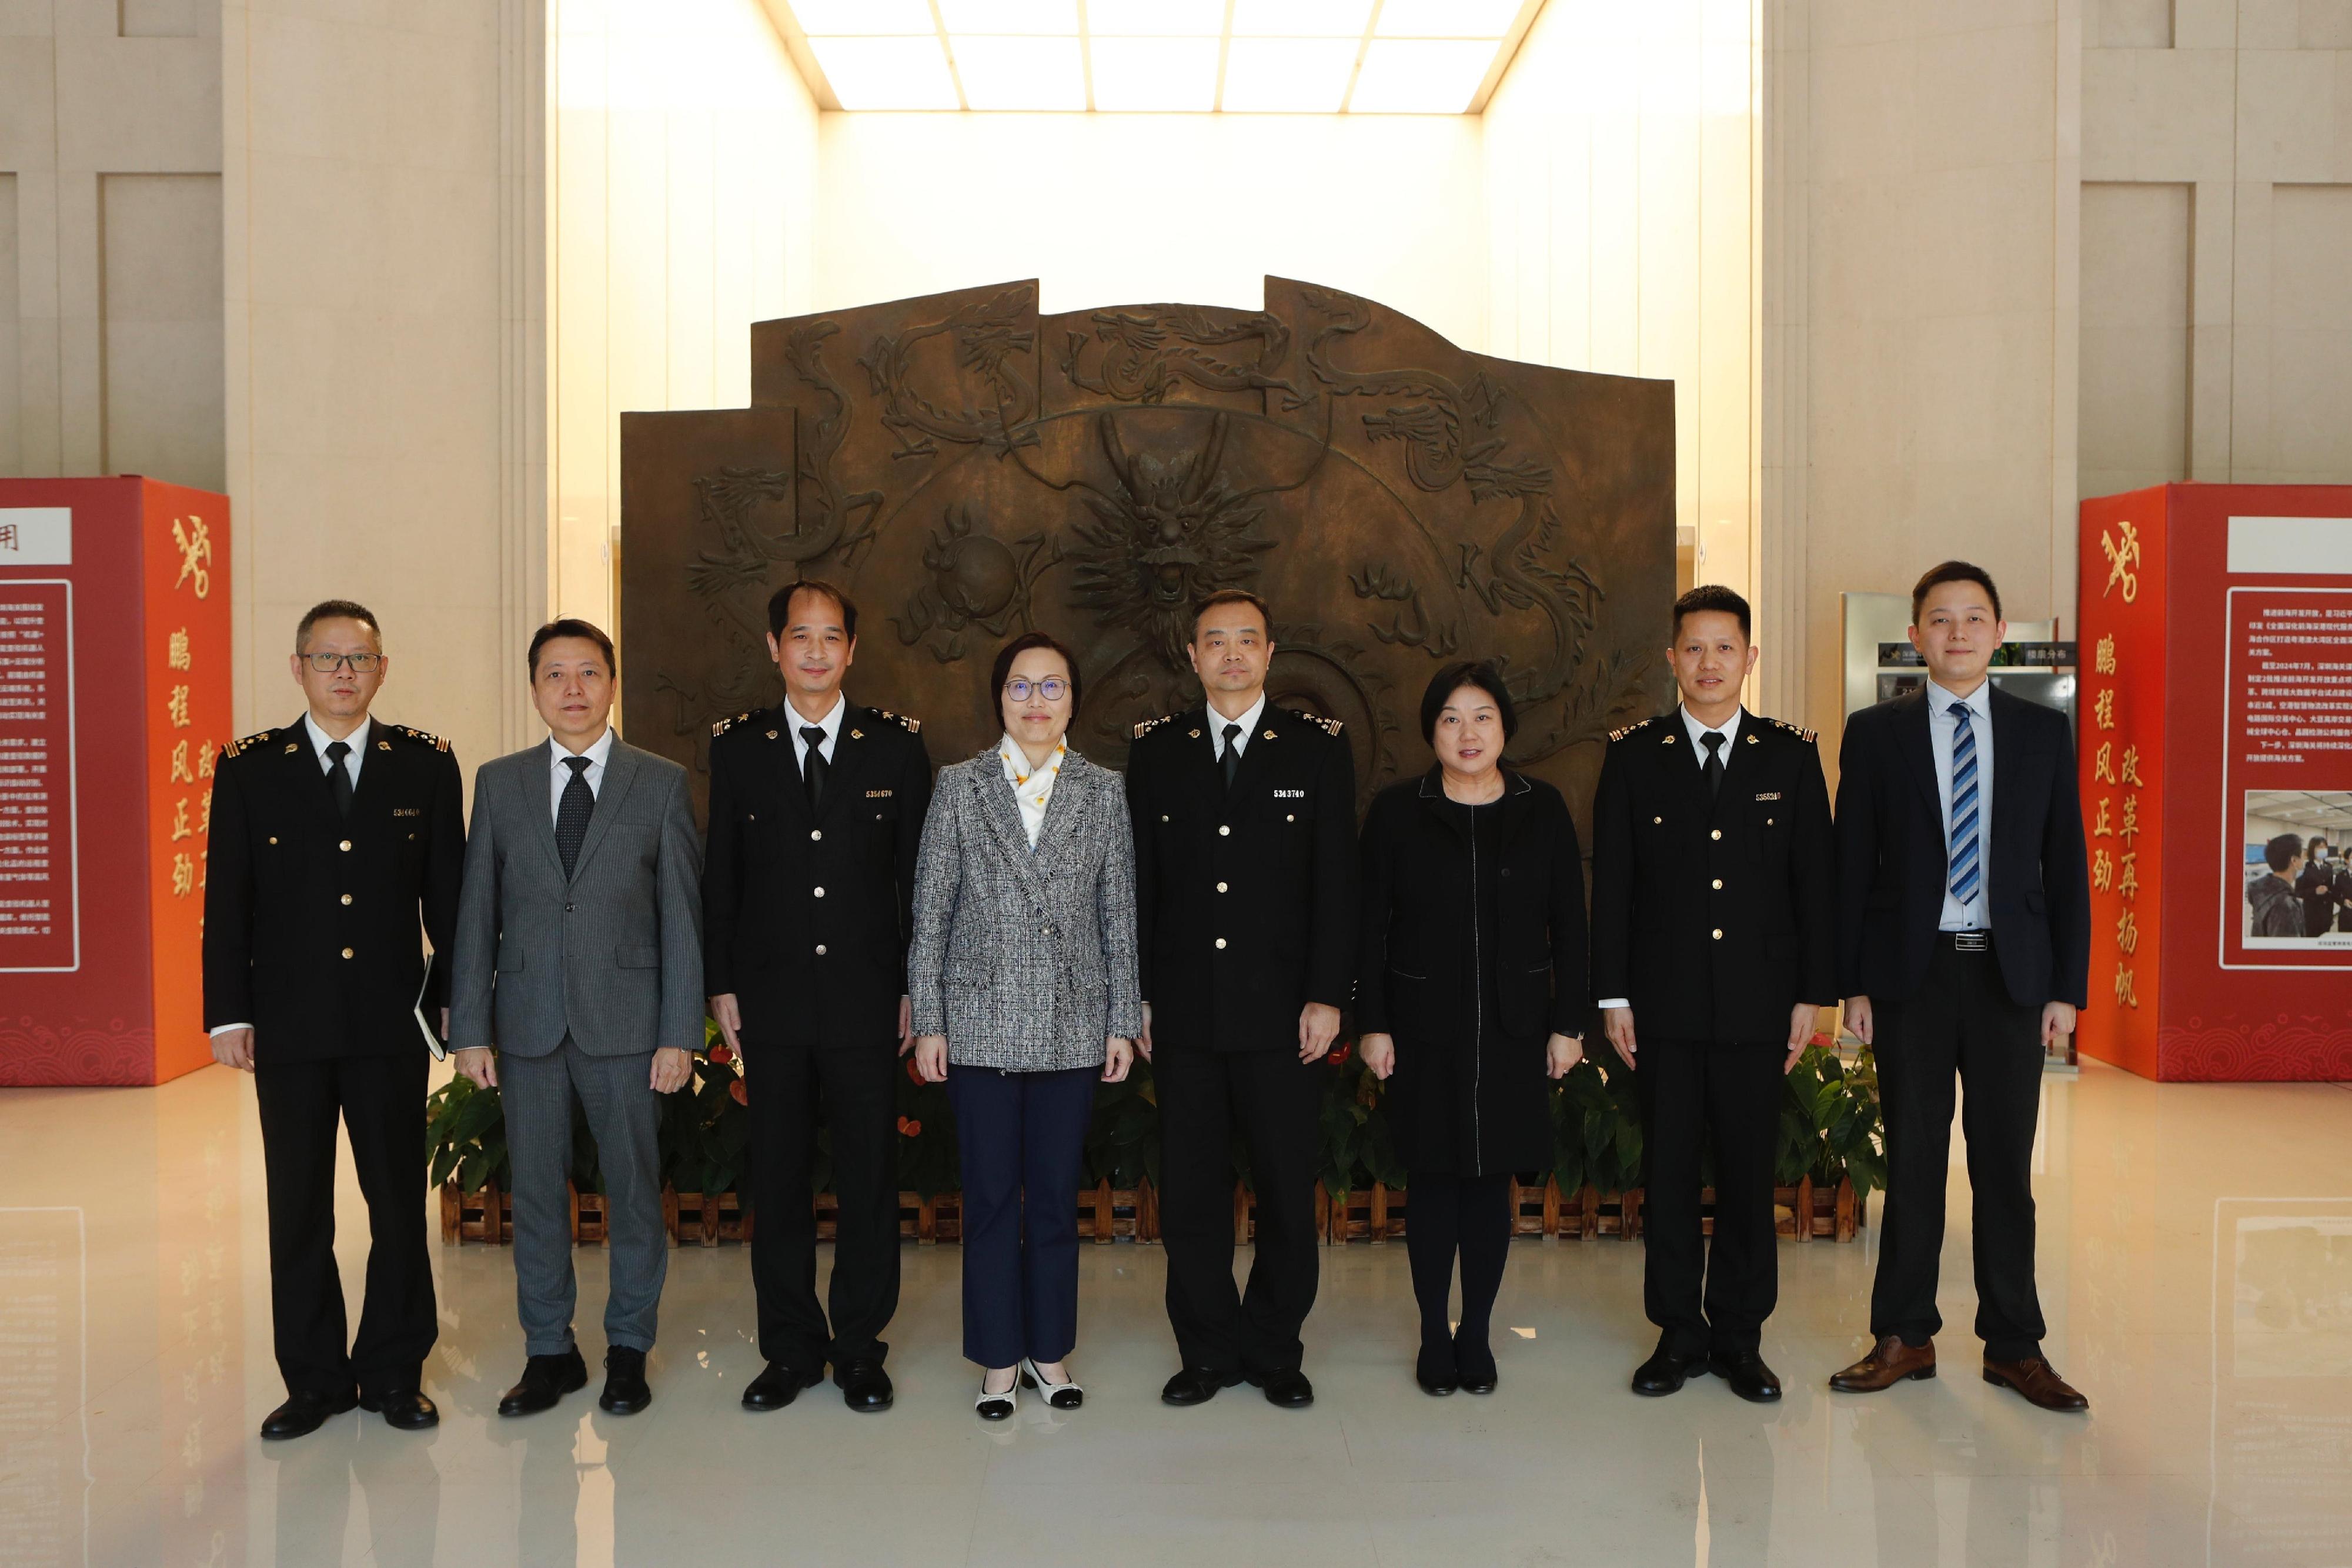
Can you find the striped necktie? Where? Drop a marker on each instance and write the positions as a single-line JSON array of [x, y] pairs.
[[1966, 866]]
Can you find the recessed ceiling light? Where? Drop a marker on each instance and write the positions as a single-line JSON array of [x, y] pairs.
[[1001, 72], [1155, 75], [1287, 76], [1446, 18], [1049, 16], [887, 73], [1301, 18], [1156, 18], [1420, 76], [864, 18]]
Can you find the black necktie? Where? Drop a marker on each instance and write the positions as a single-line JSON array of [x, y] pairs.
[[1713, 741], [1232, 759], [813, 765], [572, 814], [339, 777]]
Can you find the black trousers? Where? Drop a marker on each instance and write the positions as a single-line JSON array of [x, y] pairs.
[[1696, 1095], [1273, 1100], [1020, 1138], [786, 1085], [380, 1100], [1962, 1020]]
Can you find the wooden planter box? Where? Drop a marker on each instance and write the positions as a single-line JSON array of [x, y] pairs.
[[1108, 1214], [1535, 1210], [1375, 1213], [1617, 1214], [1803, 1212]]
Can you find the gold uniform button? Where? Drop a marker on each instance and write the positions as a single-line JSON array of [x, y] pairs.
[[1221, 887], [273, 838], [1221, 942], [1718, 884], [347, 898], [1719, 933], [1163, 815], [345, 846], [1290, 818], [820, 892], [816, 834], [347, 951], [820, 949], [1658, 818], [1224, 832], [1717, 833]]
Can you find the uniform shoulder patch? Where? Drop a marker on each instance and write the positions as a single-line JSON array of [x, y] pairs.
[[235, 746], [422, 737], [1807, 736], [913, 725], [1631, 728], [1327, 725], [724, 725], [1149, 725]]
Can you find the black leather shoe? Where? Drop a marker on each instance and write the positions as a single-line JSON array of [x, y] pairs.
[[303, 1414], [626, 1392], [778, 1387], [404, 1408], [1665, 1371], [1196, 1386], [864, 1386], [1287, 1387], [1434, 1370], [1476, 1365], [545, 1380], [1749, 1376]]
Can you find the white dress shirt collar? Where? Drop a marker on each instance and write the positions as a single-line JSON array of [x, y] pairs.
[[1974, 914], [1728, 730], [321, 740], [830, 724], [598, 754], [1248, 722], [1979, 701]]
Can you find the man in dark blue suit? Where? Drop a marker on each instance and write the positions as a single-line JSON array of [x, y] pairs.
[[1964, 945]]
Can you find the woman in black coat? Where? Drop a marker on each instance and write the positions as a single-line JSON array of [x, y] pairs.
[[1472, 992]]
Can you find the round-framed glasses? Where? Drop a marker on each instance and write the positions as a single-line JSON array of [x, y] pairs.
[[1052, 688]]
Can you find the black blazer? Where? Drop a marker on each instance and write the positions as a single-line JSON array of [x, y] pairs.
[[806, 920], [1417, 906], [1892, 855], [1714, 915], [310, 919], [1244, 901]]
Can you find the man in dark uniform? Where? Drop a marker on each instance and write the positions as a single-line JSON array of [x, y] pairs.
[[1245, 889], [816, 814], [331, 839], [1714, 938]]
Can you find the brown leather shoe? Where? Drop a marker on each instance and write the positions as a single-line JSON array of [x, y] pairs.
[[2038, 1381], [1890, 1361]]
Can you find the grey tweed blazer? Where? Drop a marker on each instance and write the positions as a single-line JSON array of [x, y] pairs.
[[1025, 958]]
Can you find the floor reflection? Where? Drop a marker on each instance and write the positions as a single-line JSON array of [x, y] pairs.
[[2204, 1303]]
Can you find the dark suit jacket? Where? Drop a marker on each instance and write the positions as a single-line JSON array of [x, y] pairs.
[[1714, 914], [310, 920], [779, 885], [1892, 855], [1245, 902], [1416, 979]]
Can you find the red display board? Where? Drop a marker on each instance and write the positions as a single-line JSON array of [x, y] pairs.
[[2216, 625], [115, 700]]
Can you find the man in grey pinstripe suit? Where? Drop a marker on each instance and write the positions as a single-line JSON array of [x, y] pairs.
[[579, 957]]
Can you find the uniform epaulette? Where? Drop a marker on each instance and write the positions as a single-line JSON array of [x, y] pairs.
[[1629, 730], [724, 725], [233, 747], [1807, 736], [1327, 725], [434, 741], [914, 726], [1149, 725]]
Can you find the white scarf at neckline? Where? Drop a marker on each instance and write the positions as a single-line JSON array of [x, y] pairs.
[[1031, 787]]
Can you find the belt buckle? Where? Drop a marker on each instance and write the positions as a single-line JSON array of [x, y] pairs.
[[1971, 941]]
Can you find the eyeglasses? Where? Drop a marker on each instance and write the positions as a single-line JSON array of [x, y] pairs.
[[361, 663], [1052, 688]]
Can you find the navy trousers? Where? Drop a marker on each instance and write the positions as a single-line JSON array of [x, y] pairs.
[[1022, 1136]]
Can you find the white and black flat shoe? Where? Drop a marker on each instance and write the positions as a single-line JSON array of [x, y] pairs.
[[997, 1406], [1060, 1395]]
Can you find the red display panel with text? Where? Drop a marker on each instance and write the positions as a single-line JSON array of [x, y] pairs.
[[114, 698], [2216, 751]]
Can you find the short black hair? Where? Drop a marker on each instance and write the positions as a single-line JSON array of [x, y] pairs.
[[1231, 596], [573, 626], [1712, 596], [1003, 672], [335, 609], [780, 605], [1478, 672], [1953, 571], [2317, 839], [2280, 853]]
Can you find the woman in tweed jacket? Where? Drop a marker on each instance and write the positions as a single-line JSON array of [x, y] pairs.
[[1022, 977]]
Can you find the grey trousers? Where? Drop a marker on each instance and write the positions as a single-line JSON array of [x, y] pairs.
[[625, 1115]]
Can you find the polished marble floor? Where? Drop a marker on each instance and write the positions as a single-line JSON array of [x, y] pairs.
[[2196, 1267]]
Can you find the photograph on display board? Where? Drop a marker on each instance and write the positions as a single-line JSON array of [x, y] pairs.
[[2295, 888]]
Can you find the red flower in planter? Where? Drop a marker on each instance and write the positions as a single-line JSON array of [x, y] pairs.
[[1340, 1052], [736, 1092], [722, 1054], [909, 1129], [914, 1073]]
